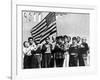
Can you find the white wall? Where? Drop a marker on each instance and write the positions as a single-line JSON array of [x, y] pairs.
[[5, 34]]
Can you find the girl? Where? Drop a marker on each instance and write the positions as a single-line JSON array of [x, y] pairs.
[[27, 54]]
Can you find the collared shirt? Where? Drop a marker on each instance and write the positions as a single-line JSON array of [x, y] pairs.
[[27, 51], [47, 47]]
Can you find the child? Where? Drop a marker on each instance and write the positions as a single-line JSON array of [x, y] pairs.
[[46, 55], [59, 52], [27, 54], [83, 52], [73, 53], [66, 47]]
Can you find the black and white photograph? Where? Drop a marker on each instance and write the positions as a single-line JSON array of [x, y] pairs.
[[52, 40], [55, 39]]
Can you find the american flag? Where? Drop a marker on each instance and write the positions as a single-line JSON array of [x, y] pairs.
[[45, 28]]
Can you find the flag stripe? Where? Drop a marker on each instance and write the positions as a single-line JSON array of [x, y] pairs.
[[50, 27], [45, 33], [39, 33], [54, 31], [38, 27], [48, 31], [50, 14], [38, 39], [39, 24], [53, 23], [38, 36], [43, 27]]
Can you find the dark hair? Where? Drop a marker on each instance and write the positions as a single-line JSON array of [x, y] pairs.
[[78, 36], [74, 38], [62, 38], [65, 36], [30, 38], [24, 43], [57, 38]]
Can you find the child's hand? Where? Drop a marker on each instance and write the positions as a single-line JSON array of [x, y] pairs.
[[82, 46]]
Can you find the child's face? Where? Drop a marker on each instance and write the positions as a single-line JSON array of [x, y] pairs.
[[78, 39], [59, 40], [62, 42], [31, 41], [66, 39], [83, 40], [27, 44], [74, 41], [69, 39]]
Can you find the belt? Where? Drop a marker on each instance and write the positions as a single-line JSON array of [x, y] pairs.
[[37, 54]]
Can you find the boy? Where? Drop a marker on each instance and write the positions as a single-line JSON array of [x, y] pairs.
[[59, 52], [46, 53], [73, 53], [66, 48], [34, 62], [83, 52], [27, 54]]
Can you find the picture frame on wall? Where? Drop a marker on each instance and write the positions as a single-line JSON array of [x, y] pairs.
[[52, 40]]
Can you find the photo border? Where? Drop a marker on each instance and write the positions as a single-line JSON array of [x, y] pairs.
[[14, 73]]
